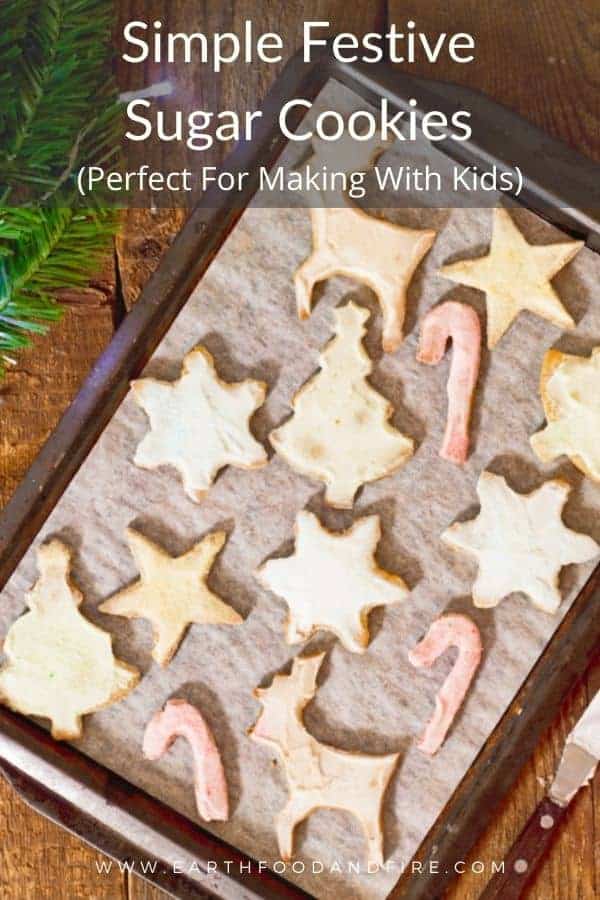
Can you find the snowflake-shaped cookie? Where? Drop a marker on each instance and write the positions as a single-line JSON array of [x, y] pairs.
[[520, 542], [570, 387], [199, 423]]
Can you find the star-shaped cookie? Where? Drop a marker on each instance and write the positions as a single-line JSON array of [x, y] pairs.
[[515, 276], [332, 581], [199, 423], [520, 542], [172, 592], [570, 388], [375, 252]]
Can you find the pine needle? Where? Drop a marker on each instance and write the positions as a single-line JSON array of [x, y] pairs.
[[59, 73], [54, 68], [56, 248]]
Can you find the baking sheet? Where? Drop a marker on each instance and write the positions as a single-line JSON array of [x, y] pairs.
[[244, 313]]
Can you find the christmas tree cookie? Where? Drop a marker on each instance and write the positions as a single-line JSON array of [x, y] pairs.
[[570, 388], [199, 424], [340, 432], [515, 276], [172, 592], [332, 581], [60, 666]]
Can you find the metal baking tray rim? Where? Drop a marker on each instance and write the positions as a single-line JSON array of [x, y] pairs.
[[558, 186]]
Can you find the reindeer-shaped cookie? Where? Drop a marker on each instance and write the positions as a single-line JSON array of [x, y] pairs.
[[319, 775], [348, 241]]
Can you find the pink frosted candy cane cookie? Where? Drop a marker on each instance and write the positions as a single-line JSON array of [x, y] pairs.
[[181, 719], [452, 630], [460, 323]]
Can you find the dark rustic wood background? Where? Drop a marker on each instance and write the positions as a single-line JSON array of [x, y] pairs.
[[540, 57]]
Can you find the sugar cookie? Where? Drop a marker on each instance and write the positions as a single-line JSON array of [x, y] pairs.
[[520, 542], [319, 775], [172, 592], [515, 276], [199, 423], [340, 432], [60, 665]]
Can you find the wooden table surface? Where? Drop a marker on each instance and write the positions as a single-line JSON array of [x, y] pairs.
[[540, 57]]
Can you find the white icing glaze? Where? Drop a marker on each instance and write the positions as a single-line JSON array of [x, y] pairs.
[[572, 403], [348, 241], [199, 423], [332, 581], [520, 542], [60, 665], [340, 433], [319, 775]]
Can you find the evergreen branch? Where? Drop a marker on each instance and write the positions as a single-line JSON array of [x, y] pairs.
[[62, 249], [13, 29], [58, 72], [54, 69], [45, 250]]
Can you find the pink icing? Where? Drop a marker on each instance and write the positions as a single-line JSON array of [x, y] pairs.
[[452, 630], [181, 719]]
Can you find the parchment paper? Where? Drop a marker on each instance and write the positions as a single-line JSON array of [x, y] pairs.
[[244, 313]]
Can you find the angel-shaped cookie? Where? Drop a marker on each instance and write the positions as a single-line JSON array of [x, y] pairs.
[[332, 581], [520, 542], [172, 592], [516, 276], [199, 423], [570, 388], [60, 666], [319, 775], [340, 431]]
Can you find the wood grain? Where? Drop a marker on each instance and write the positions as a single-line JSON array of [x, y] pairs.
[[37, 390], [568, 871], [147, 233], [540, 58], [38, 859], [138, 889], [558, 88]]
